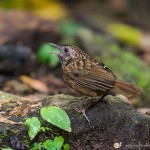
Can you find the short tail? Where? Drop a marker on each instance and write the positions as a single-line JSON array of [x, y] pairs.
[[127, 89]]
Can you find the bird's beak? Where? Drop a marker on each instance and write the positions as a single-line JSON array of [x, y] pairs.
[[60, 55], [55, 45]]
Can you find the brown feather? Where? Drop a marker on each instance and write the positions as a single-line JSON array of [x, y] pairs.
[[95, 78], [127, 89], [79, 88]]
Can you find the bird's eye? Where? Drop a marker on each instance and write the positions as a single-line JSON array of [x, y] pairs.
[[66, 50]]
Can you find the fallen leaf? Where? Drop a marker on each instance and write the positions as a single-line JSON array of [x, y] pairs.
[[35, 84], [36, 105], [19, 102], [20, 110], [27, 98], [35, 97], [24, 109], [3, 102], [6, 120], [2, 112]]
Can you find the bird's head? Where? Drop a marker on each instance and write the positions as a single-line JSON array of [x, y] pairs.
[[67, 52]]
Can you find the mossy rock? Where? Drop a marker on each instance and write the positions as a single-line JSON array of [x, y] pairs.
[[113, 122]]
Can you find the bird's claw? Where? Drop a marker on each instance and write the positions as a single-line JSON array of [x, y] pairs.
[[82, 111]]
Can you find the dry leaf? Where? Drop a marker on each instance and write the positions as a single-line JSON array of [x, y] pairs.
[[35, 97], [36, 105], [3, 102], [35, 84], [24, 109], [20, 110], [2, 112], [6, 120]]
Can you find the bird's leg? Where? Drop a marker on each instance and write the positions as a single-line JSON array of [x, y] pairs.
[[94, 101], [82, 110], [89, 104], [101, 99]]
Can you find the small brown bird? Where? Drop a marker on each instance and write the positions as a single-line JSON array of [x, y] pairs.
[[89, 77]]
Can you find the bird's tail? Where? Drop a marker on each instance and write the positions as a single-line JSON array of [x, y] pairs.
[[127, 89]]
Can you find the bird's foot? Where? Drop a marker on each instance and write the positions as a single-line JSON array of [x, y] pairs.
[[82, 111], [103, 98], [98, 99]]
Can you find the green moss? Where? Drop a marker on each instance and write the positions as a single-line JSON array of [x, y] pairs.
[[129, 67], [8, 96]]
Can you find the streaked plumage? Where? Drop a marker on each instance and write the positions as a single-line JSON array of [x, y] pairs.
[[90, 77]]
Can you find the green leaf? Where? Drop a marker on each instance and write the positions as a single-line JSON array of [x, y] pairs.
[[44, 129], [69, 28], [8, 148], [56, 116], [53, 60], [34, 126], [48, 129], [49, 145], [37, 146], [66, 147], [44, 55], [58, 140]]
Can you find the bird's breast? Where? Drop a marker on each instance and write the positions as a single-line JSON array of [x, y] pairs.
[[79, 64], [73, 66]]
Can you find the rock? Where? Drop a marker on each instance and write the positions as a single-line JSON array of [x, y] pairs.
[[20, 26], [114, 124], [16, 59]]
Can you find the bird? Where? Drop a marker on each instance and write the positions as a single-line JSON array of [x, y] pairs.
[[90, 77]]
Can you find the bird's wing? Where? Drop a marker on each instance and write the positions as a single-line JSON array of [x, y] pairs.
[[98, 78]]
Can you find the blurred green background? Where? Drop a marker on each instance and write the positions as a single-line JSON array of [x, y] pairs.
[[116, 32]]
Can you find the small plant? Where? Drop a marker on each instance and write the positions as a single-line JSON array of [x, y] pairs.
[[56, 116], [8, 148], [44, 56]]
